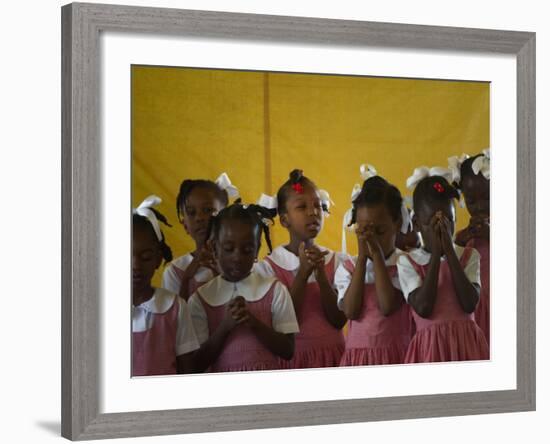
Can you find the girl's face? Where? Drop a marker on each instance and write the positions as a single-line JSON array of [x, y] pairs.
[[146, 257], [423, 216], [385, 228], [304, 214], [199, 207], [236, 249], [477, 195]]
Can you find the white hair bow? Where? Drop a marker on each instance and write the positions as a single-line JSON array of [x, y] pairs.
[[455, 164], [225, 184], [144, 209], [483, 164], [326, 201], [367, 171], [423, 172], [268, 201], [346, 221]]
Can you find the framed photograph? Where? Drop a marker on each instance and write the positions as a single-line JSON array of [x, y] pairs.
[[115, 58]]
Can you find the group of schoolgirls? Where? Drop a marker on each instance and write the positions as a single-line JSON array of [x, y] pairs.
[[415, 291]]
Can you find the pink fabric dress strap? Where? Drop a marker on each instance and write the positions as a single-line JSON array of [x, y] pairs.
[[318, 344], [154, 350], [242, 351], [373, 338], [449, 333], [193, 284], [483, 309]]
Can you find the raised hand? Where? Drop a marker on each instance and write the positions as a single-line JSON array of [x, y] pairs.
[[446, 235], [435, 234]]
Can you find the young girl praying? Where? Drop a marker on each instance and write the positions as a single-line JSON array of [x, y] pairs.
[[162, 334], [307, 270], [379, 330], [474, 182], [244, 320], [196, 202], [440, 280]]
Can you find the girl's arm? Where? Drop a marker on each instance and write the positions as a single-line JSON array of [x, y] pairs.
[[329, 298], [353, 297], [467, 293], [298, 287], [185, 363], [279, 344], [389, 298], [422, 300]]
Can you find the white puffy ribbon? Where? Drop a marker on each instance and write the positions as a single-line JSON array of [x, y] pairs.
[[482, 164], [455, 164], [225, 184], [367, 171], [144, 209], [423, 172], [267, 201], [346, 221], [325, 199], [405, 218]]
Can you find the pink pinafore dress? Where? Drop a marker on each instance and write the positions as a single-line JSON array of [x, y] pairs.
[[154, 350], [242, 351], [449, 334], [318, 344], [483, 313], [193, 284], [375, 339]]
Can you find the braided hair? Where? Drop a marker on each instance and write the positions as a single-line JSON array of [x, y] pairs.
[[296, 177], [255, 215], [189, 185], [433, 189], [143, 222], [377, 190]]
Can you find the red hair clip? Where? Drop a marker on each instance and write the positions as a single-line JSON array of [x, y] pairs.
[[298, 188], [439, 188]]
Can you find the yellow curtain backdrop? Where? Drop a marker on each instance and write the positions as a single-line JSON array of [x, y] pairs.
[[257, 127]]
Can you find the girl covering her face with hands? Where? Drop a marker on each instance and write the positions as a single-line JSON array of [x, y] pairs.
[[440, 281], [368, 287]]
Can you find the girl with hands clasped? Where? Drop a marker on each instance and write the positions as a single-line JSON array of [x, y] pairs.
[[368, 287], [307, 270], [243, 320], [196, 202], [440, 280], [472, 176]]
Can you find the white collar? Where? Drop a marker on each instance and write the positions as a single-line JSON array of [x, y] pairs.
[[422, 257], [161, 301], [218, 291], [289, 261], [369, 273]]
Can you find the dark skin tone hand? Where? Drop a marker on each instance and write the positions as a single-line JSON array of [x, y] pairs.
[[203, 257], [478, 228], [389, 299], [423, 298]]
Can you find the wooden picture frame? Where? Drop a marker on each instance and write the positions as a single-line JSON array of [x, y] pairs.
[[81, 175]]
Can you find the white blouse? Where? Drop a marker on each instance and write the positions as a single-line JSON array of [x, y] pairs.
[[143, 317], [410, 280], [254, 287], [342, 277]]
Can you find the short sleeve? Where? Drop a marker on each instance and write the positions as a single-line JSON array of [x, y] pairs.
[[282, 310], [409, 279], [198, 318], [472, 268], [264, 269], [186, 340], [170, 279], [342, 280]]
